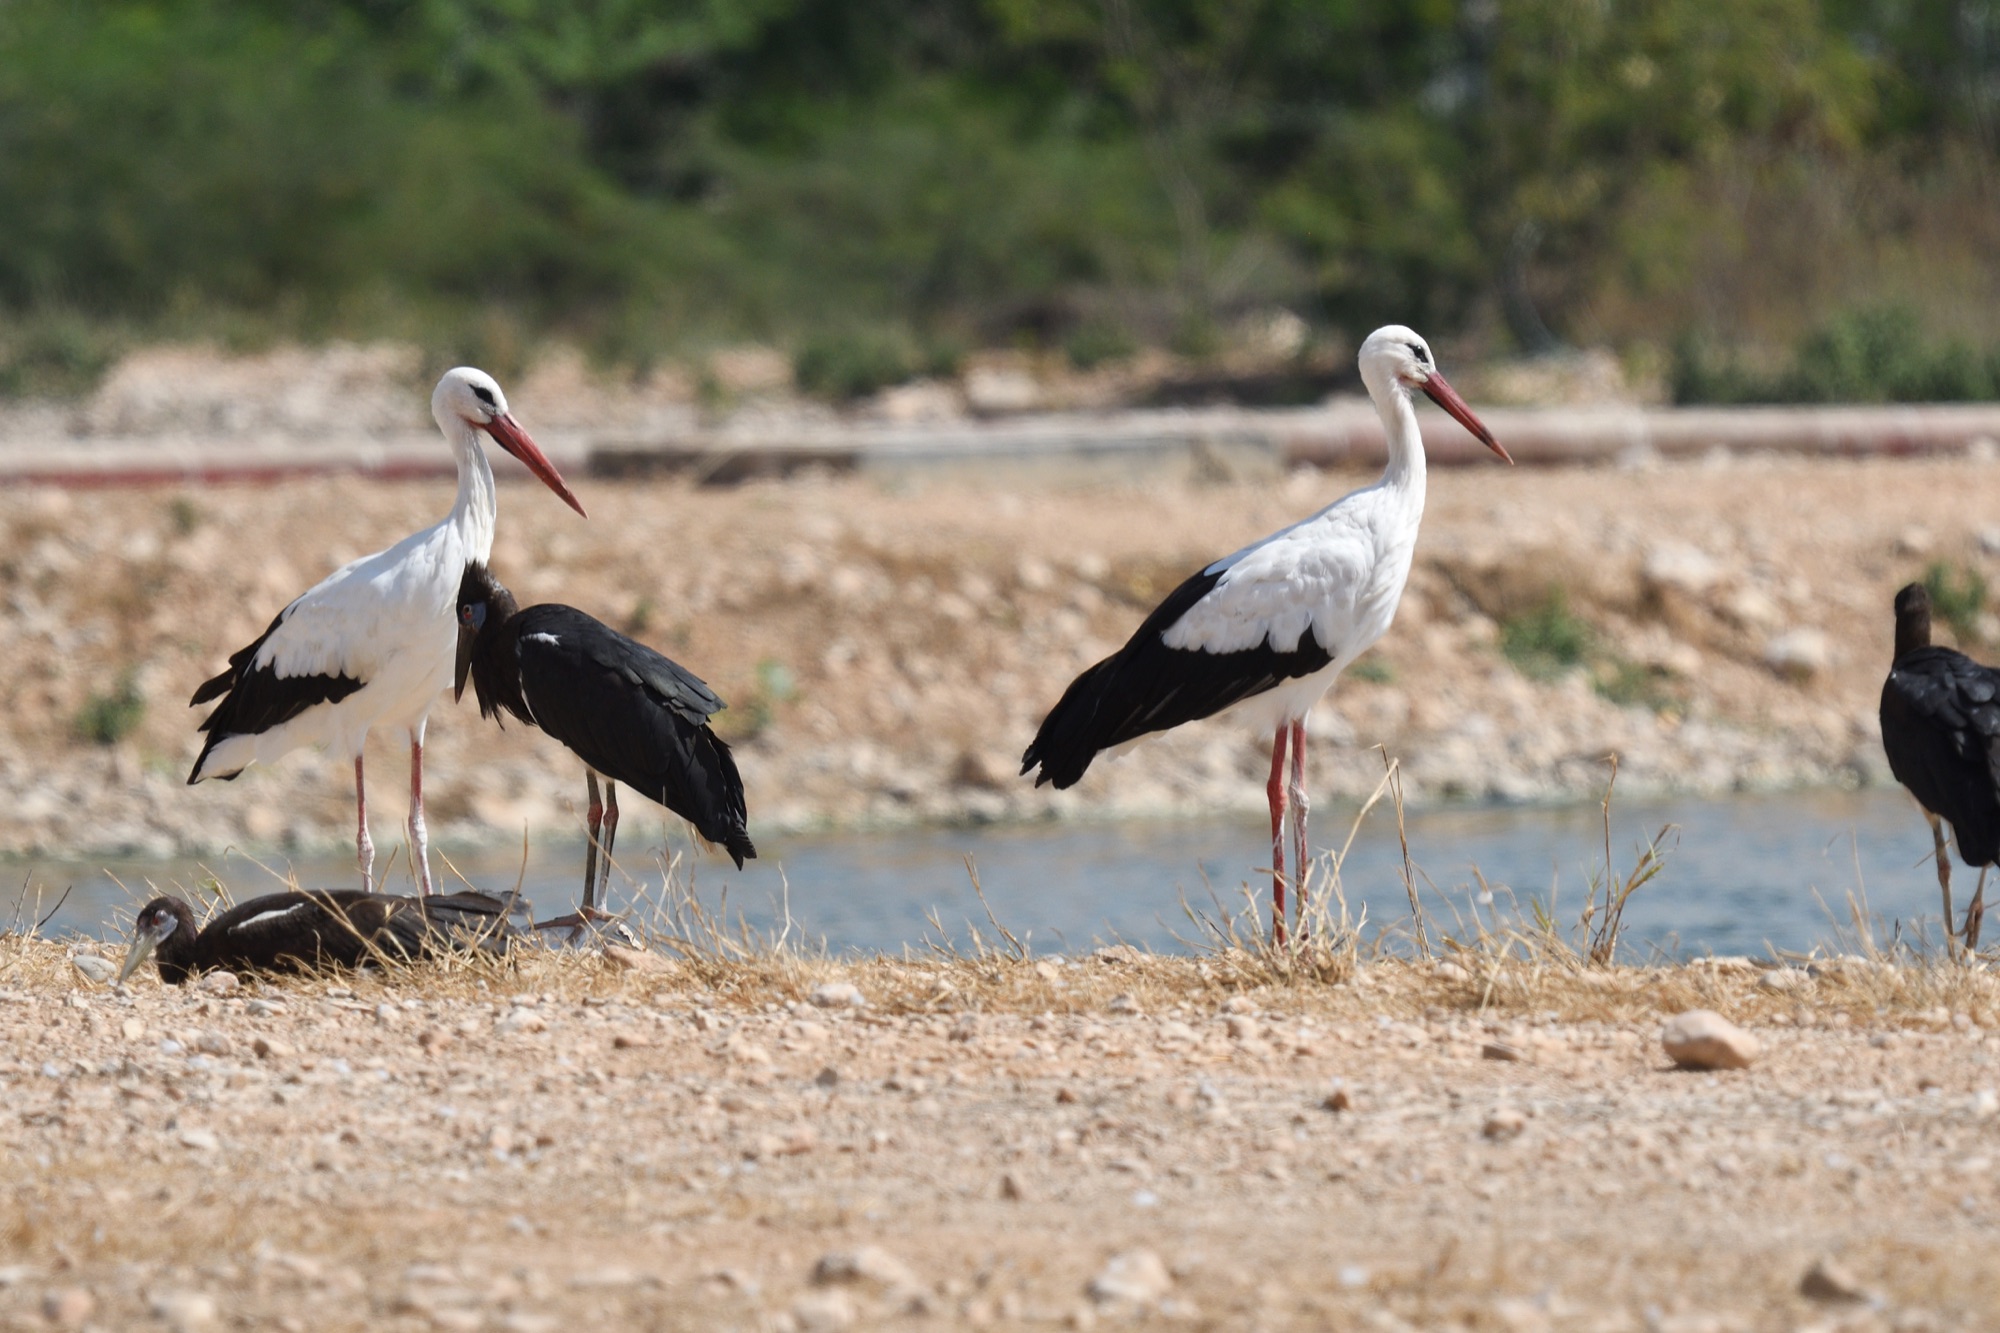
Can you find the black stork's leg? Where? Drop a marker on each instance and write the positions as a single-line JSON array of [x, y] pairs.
[[610, 837], [1301, 804], [1274, 791], [593, 820], [364, 846], [420, 838], [1975, 912], [1944, 879]]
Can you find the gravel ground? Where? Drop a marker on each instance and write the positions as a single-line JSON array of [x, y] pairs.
[[999, 1143], [889, 646]]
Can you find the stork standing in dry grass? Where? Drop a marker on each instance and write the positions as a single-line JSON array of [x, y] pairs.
[[1265, 632]]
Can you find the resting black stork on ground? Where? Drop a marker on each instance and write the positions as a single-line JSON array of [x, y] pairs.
[[371, 645], [632, 715], [306, 930], [1268, 629], [1941, 731]]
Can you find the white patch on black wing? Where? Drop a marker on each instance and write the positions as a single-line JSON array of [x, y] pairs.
[[543, 636], [275, 914]]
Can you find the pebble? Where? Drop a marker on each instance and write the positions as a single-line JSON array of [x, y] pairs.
[[1242, 1027], [219, 983], [740, 1050], [132, 1029], [828, 1077], [1985, 1104], [200, 1139], [627, 959], [870, 1264], [99, 970], [185, 1311], [211, 1042], [1501, 1050], [270, 1048], [1828, 1280], [1503, 1123], [1799, 654], [1137, 1276], [1012, 1188], [1340, 1099], [69, 1307], [824, 1311], [631, 1041], [1704, 1039], [838, 995], [1783, 979], [521, 1020]]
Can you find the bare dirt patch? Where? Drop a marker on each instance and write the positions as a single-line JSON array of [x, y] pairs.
[[998, 1142]]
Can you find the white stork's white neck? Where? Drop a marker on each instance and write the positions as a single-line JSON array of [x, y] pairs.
[[474, 512], [1405, 469]]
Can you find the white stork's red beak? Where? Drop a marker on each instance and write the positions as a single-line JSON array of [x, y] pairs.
[[1447, 397], [507, 433]]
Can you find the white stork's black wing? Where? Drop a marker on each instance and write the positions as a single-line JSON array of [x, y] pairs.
[[1941, 731], [1147, 686]]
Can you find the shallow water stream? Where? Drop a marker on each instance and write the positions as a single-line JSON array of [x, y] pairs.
[[1743, 874]]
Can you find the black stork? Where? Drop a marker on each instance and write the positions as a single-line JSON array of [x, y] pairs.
[[1941, 731], [632, 715], [308, 930], [1266, 632]]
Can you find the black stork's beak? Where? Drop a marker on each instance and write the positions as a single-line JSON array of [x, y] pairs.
[[144, 943], [471, 619]]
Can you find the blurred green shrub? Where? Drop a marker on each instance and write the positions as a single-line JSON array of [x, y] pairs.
[[1876, 354], [109, 717], [1958, 597]]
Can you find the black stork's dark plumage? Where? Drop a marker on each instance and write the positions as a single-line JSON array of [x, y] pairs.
[[632, 715], [307, 930], [1941, 730]]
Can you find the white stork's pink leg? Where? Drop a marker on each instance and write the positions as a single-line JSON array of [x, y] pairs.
[[420, 842], [1301, 804], [1274, 790], [364, 846]]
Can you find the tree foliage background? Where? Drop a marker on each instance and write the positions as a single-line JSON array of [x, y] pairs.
[[646, 177]]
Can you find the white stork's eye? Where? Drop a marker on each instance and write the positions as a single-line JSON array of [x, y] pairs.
[[1419, 351], [483, 394]]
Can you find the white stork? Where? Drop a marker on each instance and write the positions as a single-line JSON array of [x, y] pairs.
[[1267, 631], [373, 644]]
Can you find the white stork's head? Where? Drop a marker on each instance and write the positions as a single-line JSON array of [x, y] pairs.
[[1395, 359], [472, 399]]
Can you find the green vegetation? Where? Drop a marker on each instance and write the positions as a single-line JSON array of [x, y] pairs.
[[108, 718], [1373, 670], [862, 181], [1547, 640], [1958, 598], [748, 716], [1878, 354]]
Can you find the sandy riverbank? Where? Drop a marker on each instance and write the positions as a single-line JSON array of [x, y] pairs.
[[572, 1144], [889, 649]]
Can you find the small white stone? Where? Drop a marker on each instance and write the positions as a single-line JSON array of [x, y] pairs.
[[1704, 1039], [100, 970], [824, 1312], [211, 1042], [1503, 1123], [1985, 1104], [838, 995], [1799, 654], [521, 1020], [220, 983], [1137, 1276], [200, 1139], [1784, 979], [185, 1311]]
